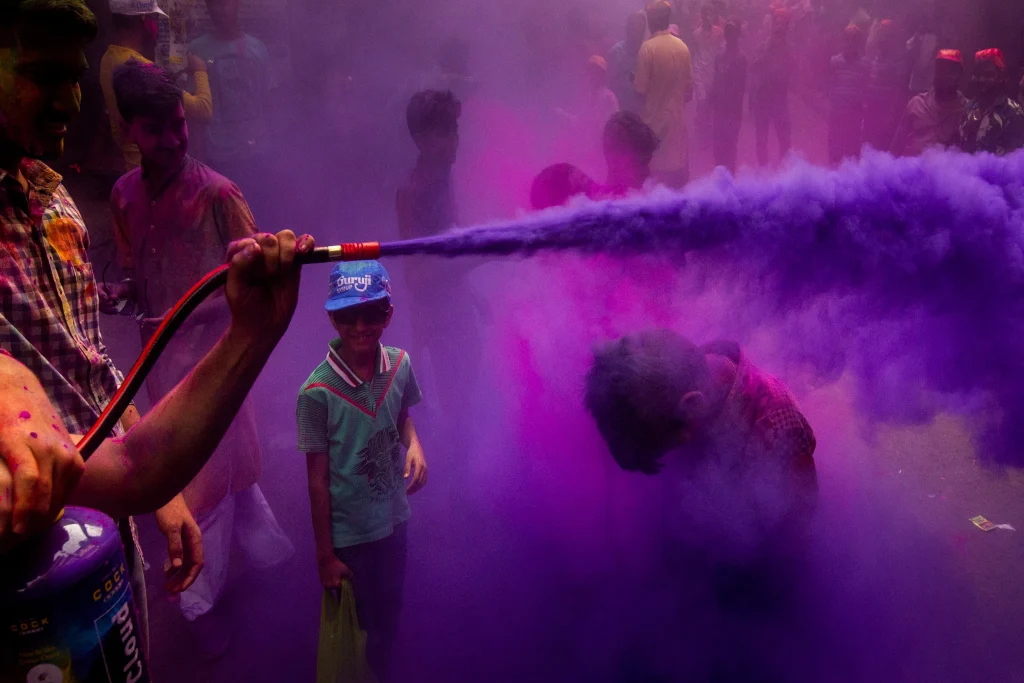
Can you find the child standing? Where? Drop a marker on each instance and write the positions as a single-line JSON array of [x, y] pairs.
[[353, 422]]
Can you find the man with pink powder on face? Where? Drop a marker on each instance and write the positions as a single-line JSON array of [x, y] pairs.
[[174, 218]]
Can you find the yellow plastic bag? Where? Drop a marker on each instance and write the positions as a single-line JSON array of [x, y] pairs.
[[341, 656]]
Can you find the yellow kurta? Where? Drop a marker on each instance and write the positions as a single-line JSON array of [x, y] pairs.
[[198, 107], [664, 76]]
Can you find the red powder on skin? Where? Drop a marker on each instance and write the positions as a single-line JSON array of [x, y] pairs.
[[33, 435], [25, 415], [55, 428]]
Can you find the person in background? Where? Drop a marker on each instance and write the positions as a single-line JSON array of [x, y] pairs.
[[353, 422], [727, 93], [934, 118], [706, 43], [664, 77], [992, 122], [887, 88], [848, 76], [174, 218], [594, 104], [241, 79], [135, 33], [922, 48], [733, 438], [629, 147], [425, 206], [769, 89], [622, 63]]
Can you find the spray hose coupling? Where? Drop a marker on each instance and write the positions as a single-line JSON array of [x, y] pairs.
[[351, 251]]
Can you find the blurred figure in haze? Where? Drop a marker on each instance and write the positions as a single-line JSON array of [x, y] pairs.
[[425, 206], [728, 91], [241, 78], [707, 42], [922, 49], [992, 121], [594, 104], [629, 146], [174, 218], [887, 89], [934, 118], [848, 76], [135, 33], [622, 63], [664, 77], [353, 423], [733, 441], [769, 90]]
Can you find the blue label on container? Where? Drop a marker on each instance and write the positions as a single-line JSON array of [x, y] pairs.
[[87, 633]]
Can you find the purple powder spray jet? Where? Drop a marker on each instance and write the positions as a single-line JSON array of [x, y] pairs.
[[920, 250]]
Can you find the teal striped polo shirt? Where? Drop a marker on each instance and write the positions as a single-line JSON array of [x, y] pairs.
[[356, 424]]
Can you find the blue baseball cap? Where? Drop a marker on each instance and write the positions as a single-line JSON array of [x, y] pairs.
[[357, 282]]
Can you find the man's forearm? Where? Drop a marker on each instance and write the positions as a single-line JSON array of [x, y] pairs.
[[143, 470]]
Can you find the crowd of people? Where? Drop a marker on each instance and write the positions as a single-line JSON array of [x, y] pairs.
[[195, 156]]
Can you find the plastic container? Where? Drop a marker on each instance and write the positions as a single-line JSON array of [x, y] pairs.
[[66, 608]]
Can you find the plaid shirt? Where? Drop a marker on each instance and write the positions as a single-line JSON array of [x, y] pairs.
[[761, 423], [49, 305]]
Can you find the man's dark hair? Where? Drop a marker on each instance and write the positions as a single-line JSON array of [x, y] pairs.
[[626, 130], [633, 392], [659, 16], [555, 185], [144, 89], [63, 18], [433, 110]]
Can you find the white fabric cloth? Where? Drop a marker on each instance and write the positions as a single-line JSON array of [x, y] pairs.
[[243, 519]]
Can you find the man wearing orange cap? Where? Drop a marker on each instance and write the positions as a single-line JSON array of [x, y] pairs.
[[934, 118], [992, 121]]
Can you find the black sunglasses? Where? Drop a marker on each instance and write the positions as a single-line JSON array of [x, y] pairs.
[[371, 314]]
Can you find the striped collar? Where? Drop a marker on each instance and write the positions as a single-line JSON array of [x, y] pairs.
[[346, 373]]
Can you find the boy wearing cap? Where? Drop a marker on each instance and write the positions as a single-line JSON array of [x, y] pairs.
[[135, 33], [934, 118], [353, 421]]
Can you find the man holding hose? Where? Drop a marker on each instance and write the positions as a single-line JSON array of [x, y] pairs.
[[55, 376]]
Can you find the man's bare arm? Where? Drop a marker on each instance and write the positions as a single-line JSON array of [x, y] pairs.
[[152, 463]]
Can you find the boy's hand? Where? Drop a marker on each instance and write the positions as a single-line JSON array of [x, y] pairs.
[[333, 571], [184, 545], [415, 468]]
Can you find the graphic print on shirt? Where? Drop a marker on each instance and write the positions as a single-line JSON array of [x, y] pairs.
[[381, 462]]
